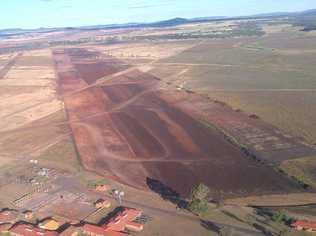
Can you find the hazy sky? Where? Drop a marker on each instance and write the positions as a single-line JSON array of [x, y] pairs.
[[55, 13]]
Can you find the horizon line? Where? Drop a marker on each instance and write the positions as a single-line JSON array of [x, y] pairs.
[[167, 19]]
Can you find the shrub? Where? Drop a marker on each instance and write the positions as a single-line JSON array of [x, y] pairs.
[[199, 199]]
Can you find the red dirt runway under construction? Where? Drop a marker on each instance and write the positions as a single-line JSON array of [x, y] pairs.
[[126, 128]]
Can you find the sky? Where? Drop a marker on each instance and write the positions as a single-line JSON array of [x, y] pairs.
[[29, 14]]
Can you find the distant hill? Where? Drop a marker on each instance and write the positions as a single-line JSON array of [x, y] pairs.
[[171, 22], [299, 18], [306, 19], [309, 12], [180, 21]]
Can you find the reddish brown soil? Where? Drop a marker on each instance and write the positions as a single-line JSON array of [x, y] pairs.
[[89, 67], [141, 141], [177, 148], [264, 141], [122, 92], [225, 179], [90, 72], [128, 130]]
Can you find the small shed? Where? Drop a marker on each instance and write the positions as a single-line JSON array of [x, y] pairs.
[[28, 214], [49, 224], [102, 203], [102, 187]]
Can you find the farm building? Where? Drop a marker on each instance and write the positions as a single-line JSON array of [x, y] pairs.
[[102, 187], [101, 203], [304, 225], [71, 231], [122, 221], [25, 229], [8, 216], [49, 224], [28, 214], [125, 220], [94, 230]]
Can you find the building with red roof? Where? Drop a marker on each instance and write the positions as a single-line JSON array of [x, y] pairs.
[[71, 231], [304, 225], [94, 230], [8, 216], [101, 203], [122, 221], [116, 226], [125, 220], [25, 229], [4, 228], [102, 187]]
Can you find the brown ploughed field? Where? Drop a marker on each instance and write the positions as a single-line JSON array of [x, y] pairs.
[[263, 140], [128, 129]]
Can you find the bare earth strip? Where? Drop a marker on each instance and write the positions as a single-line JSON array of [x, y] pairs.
[[127, 130]]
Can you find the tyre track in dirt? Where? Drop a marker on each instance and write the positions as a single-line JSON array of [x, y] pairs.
[[6, 68]]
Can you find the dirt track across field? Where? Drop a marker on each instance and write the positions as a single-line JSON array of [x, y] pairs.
[[8, 65]]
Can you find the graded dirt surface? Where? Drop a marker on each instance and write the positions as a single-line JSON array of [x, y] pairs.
[[128, 129], [263, 141]]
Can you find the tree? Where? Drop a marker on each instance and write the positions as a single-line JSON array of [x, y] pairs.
[[200, 192], [199, 199], [279, 216], [198, 207]]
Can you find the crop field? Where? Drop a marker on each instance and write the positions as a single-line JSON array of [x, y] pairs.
[[272, 76], [29, 106], [127, 128], [26, 141], [266, 142], [288, 110], [303, 168], [137, 52]]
